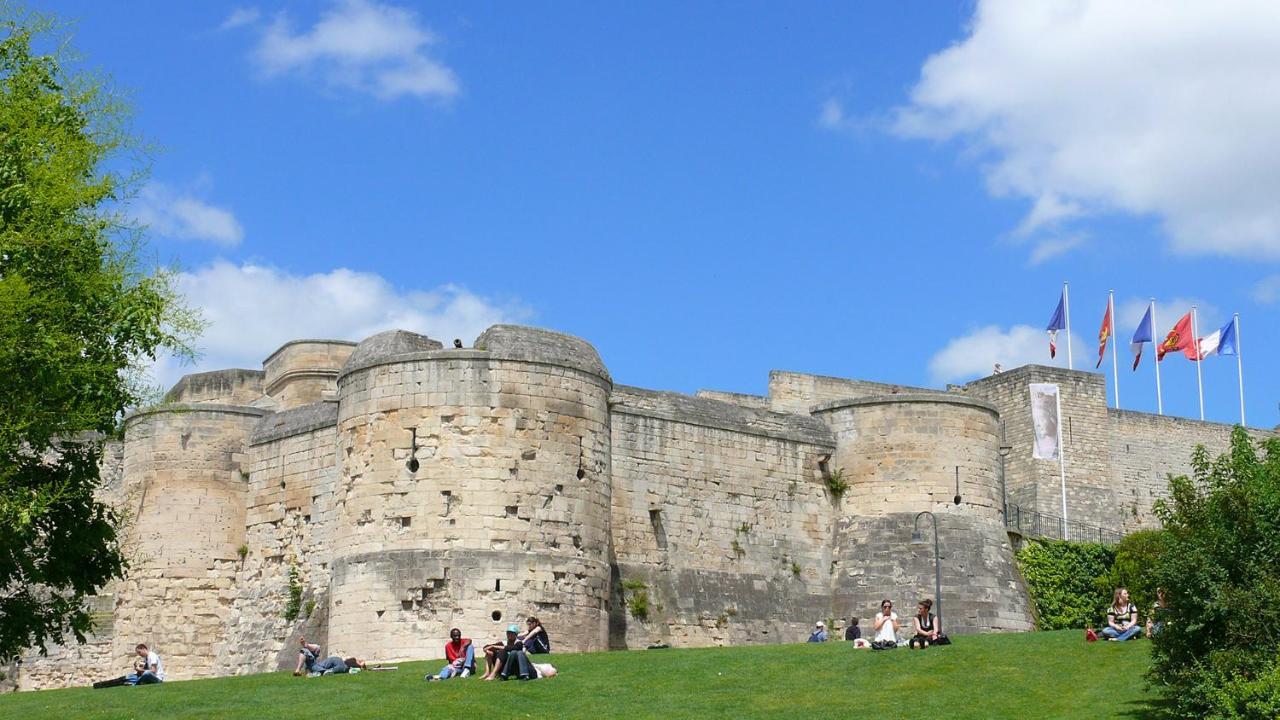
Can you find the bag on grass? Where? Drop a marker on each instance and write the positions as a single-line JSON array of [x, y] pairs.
[[1090, 635], [883, 645], [942, 639]]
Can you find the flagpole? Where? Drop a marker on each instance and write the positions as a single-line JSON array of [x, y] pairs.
[[1154, 339], [1239, 368], [1066, 309], [1062, 466], [1195, 343], [1115, 364]]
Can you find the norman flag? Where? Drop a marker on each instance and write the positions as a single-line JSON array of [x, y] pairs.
[[1056, 323], [1179, 338], [1141, 337], [1103, 336]]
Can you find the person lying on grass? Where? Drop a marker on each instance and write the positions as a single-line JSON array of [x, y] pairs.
[[1122, 617], [460, 655], [309, 658]]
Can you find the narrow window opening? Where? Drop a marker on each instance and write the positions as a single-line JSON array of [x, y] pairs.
[[497, 586]]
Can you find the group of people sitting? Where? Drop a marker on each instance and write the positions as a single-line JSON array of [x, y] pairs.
[[928, 630], [147, 670], [1122, 617], [503, 660]]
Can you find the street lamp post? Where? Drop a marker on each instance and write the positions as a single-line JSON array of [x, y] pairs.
[[918, 539]]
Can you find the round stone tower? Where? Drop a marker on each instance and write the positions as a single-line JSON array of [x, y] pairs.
[[185, 483], [473, 491], [900, 455], [304, 371]]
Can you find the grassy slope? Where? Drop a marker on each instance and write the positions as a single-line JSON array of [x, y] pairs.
[[1042, 675]]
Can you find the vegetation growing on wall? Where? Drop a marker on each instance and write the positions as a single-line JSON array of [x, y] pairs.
[[1067, 581], [294, 606], [637, 598], [836, 483]]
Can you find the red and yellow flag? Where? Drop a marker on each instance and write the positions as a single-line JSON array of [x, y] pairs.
[[1104, 335], [1179, 338]]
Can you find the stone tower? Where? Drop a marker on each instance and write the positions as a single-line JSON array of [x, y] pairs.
[[474, 487]]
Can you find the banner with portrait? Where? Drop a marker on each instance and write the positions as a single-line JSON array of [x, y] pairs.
[[1045, 421]]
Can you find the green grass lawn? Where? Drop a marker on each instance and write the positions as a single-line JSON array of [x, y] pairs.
[[1027, 675]]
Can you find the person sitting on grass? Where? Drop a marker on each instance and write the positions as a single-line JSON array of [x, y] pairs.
[[1155, 623], [926, 628], [460, 655], [495, 654], [147, 669], [819, 633], [1122, 617], [535, 639], [853, 632], [886, 625]]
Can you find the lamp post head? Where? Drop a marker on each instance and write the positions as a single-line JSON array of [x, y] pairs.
[[916, 538]]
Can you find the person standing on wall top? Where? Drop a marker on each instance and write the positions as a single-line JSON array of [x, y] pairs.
[[148, 669], [460, 655], [925, 626], [819, 632], [886, 624], [1122, 617]]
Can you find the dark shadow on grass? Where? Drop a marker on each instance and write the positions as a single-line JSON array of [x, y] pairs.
[[1149, 709]]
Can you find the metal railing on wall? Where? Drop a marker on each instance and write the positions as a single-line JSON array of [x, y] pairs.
[[1032, 523]]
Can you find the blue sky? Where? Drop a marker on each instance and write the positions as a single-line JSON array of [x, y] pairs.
[[708, 191]]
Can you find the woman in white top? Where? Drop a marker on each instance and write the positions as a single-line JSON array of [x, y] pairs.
[[886, 623]]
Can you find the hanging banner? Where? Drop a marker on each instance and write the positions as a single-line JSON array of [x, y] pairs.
[[1044, 421]]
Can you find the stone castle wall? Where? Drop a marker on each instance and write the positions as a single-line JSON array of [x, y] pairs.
[[373, 496]]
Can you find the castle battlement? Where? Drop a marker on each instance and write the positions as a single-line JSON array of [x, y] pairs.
[[374, 495]]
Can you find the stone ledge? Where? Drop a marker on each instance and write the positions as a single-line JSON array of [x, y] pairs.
[[300, 341], [295, 421], [720, 415], [939, 398], [182, 408], [461, 354]]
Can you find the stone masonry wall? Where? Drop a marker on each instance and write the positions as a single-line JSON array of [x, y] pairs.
[[721, 522], [188, 468], [899, 454], [797, 392], [506, 515]]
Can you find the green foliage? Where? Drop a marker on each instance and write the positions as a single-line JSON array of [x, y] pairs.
[[1219, 653], [309, 608], [294, 606], [637, 599], [77, 320], [1136, 559], [738, 550], [836, 483], [243, 551], [1033, 675], [795, 569], [1067, 581]]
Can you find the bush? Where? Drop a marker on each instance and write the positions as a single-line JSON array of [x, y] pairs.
[[1068, 582], [1135, 568], [1219, 653]]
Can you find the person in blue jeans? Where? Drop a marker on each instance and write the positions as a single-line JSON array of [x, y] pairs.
[[1122, 617], [147, 669], [460, 654]]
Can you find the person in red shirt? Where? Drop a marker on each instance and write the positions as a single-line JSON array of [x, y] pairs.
[[461, 656]]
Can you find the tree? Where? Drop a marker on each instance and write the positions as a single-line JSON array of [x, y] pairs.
[[78, 317], [1219, 653]]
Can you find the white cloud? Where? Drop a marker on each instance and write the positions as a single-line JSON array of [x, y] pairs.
[[974, 355], [183, 216], [1267, 291], [1144, 107], [361, 45], [1048, 248], [240, 17], [832, 115], [253, 309]]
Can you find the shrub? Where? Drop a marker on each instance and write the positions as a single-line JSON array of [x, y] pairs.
[[294, 606], [1219, 653], [1136, 559], [1067, 581]]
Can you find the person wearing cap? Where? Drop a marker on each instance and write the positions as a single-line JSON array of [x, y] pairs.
[[460, 655], [495, 654], [819, 632]]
